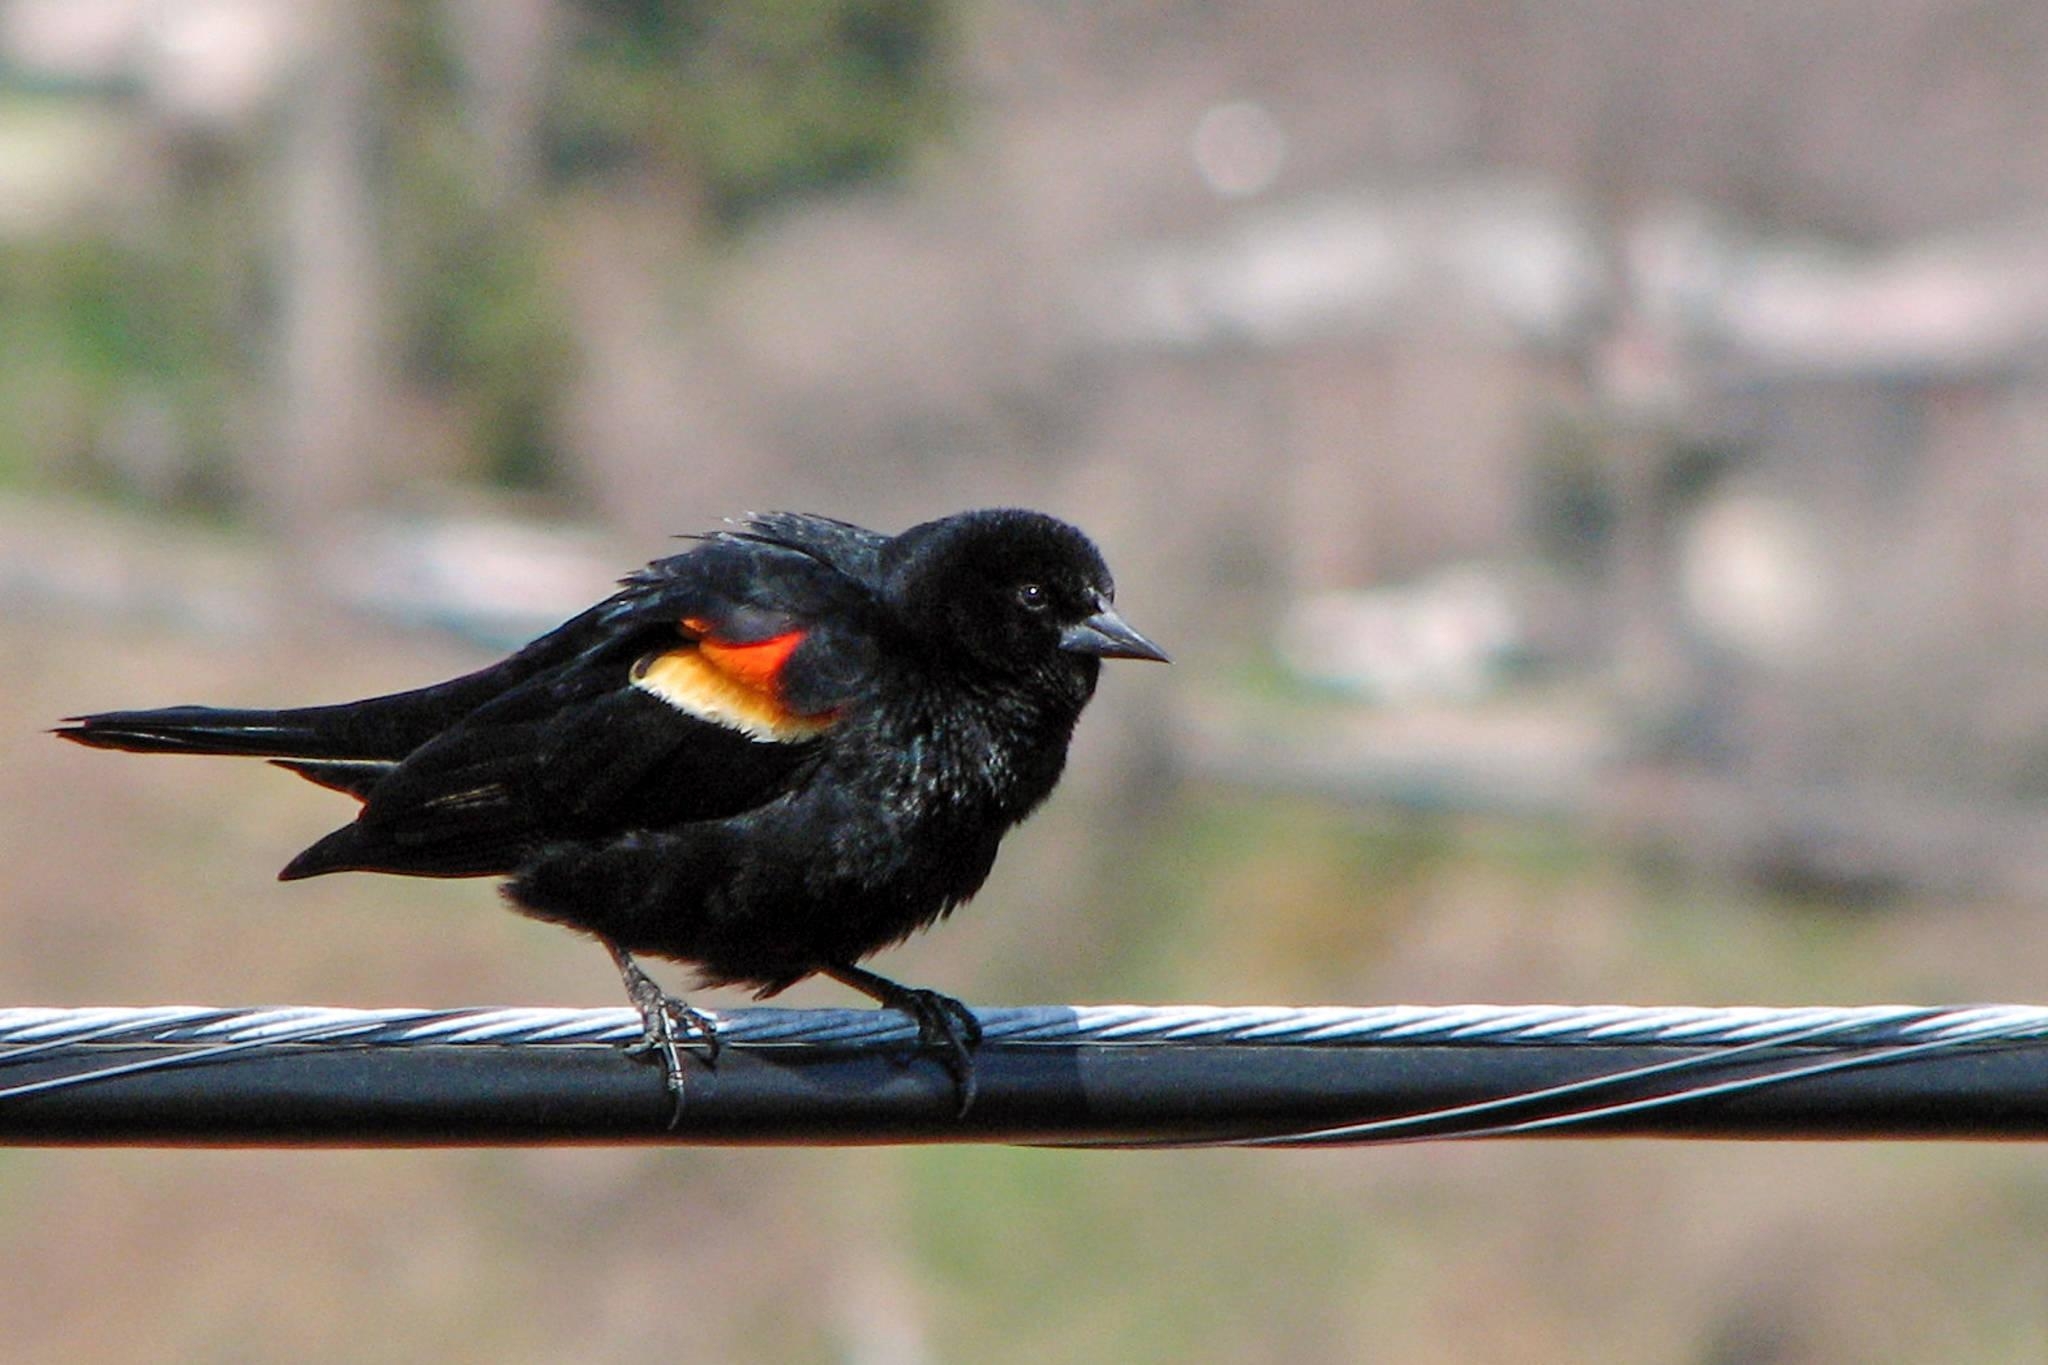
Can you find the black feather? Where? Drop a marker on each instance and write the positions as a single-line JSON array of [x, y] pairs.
[[920, 691]]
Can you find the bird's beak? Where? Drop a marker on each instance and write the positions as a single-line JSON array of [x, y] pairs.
[[1109, 636]]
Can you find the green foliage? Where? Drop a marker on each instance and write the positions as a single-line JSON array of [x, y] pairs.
[[479, 320], [480, 326], [1574, 507], [734, 106], [133, 346], [95, 327], [751, 103], [1004, 1232]]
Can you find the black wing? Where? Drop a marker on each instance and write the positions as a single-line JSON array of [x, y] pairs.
[[584, 749], [850, 550]]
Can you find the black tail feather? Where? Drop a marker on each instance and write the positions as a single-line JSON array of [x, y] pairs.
[[353, 776], [337, 852], [309, 733], [376, 729], [361, 847]]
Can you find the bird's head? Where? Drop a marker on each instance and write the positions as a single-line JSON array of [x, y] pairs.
[[1016, 593]]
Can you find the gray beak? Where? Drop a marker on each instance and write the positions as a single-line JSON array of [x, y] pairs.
[[1110, 637]]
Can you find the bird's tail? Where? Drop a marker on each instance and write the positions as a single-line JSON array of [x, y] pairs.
[[310, 732], [334, 740], [373, 730], [342, 747], [330, 745]]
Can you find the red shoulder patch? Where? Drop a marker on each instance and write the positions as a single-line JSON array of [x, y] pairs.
[[732, 684], [757, 664]]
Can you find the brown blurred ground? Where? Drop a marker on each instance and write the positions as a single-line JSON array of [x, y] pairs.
[[133, 880], [1714, 338]]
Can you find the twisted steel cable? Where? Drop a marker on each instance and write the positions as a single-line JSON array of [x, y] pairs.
[[1118, 1075]]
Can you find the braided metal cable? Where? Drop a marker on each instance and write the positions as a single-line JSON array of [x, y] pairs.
[[1044, 1025], [1112, 1075]]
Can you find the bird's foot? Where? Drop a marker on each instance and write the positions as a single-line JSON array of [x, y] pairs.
[[948, 1030], [945, 1028], [667, 1025]]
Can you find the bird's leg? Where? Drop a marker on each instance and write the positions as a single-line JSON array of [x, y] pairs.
[[945, 1027], [665, 1021]]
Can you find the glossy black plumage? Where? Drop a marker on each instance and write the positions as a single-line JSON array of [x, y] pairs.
[[768, 757]]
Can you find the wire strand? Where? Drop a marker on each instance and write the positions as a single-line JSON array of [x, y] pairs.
[[1106, 1075]]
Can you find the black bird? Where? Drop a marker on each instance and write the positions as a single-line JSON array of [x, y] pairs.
[[770, 756]]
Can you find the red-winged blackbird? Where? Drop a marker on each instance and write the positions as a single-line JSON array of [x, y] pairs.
[[794, 744]]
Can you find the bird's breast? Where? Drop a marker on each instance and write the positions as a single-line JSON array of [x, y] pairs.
[[967, 762]]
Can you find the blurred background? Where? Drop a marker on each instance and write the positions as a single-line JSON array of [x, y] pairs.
[[1588, 460]]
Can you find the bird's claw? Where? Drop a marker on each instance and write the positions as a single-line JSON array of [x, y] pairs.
[[949, 1031], [945, 1027], [667, 1026]]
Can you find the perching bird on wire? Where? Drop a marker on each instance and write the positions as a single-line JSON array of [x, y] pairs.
[[768, 757]]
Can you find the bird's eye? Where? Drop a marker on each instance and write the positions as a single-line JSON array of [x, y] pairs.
[[1033, 596]]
